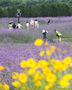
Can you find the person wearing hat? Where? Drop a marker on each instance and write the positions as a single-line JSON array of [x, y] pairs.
[[44, 32], [36, 24], [59, 35], [10, 25]]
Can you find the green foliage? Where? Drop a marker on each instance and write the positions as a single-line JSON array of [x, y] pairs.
[[6, 3], [42, 10]]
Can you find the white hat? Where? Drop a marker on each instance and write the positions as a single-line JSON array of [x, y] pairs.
[[43, 31]]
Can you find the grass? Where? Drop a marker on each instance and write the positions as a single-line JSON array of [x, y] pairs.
[[67, 36], [19, 38], [28, 38]]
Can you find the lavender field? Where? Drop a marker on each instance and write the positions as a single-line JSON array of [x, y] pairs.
[[17, 45]]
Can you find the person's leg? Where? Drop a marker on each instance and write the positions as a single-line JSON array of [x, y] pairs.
[[45, 38], [59, 39]]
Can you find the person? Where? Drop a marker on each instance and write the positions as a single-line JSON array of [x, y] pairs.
[[10, 25], [48, 21], [44, 32], [59, 35], [27, 25], [14, 26], [36, 24], [32, 22], [19, 26]]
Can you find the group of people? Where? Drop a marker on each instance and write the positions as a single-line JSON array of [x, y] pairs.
[[32, 23], [12, 25], [58, 34]]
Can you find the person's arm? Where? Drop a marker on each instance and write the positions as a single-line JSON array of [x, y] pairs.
[[46, 31]]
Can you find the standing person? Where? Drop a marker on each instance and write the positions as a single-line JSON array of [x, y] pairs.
[[14, 26], [59, 35], [36, 24], [27, 25], [10, 25], [19, 26], [44, 32], [48, 21], [32, 22]]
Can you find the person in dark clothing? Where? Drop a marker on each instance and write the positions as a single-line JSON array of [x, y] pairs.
[[48, 21], [44, 32], [14, 26]]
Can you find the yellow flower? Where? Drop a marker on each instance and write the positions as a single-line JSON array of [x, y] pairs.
[[16, 84], [47, 87], [6, 86], [23, 64], [46, 43], [64, 83], [51, 78], [41, 76], [38, 42], [48, 52], [42, 53], [59, 66], [31, 62], [70, 64], [67, 60], [37, 83], [1, 68], [67, 77], [23, 78], [15, 75], [43, 63], [46, 70], [38, 76], [64, 66], [53, 48], [52, 61], [0, 85], [31, 71]]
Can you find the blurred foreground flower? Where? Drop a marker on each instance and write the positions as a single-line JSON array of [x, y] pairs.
[[16, 84], [6, 86], [46, 43], [1, 85], [1, 68], [38, 42], [41, 53], [48, 52], [52, 48], [64, 83], [15, 75]]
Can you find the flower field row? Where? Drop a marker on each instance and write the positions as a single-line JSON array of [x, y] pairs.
[[43, 74]]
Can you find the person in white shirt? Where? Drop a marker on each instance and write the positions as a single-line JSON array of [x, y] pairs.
[[27, 25], [19, 26], [36, 24]]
